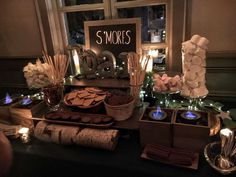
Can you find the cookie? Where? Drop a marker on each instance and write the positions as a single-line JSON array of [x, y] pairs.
[[53, 116], [100, 98], [83, 95], [77, 101], [71, 95], [86, 119], [88, 102], [107, 119], [97, 120], [92, 95], [65, 116], [75, 117]]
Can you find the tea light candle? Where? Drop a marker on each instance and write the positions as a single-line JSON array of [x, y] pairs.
[[153, 54], [24, 134]]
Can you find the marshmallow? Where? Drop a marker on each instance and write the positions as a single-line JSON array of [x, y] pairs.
[[200, 52], [195, 39], [196, 60], [166, 83], [203, 43], [195, 68], [193, 58], [190, 76], [189, 47]]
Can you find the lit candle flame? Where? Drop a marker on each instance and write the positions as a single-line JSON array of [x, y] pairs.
[[8, 99], [190, 115], [158, 114], [26, 101]]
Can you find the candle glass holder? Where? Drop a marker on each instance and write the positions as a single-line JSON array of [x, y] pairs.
[[24, 135], [53, 95]]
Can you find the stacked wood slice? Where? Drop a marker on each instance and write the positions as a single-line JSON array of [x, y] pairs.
[[61, 134]]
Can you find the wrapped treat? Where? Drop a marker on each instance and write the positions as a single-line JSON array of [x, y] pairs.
[[193, 63]]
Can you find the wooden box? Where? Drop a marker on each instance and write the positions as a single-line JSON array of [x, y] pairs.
[[156, 131], [192, 136], [22, 114], [5, 115]]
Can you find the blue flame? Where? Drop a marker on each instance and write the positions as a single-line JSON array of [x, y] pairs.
[[26, 101], [8, 99], [190, 115], [158, 114]]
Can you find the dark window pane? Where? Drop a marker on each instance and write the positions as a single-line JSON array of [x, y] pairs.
[[79, 2], [75, 22], [158, 61], [123, 0], [153, 21]]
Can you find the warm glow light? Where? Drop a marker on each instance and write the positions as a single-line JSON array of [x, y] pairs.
[[24, 134], [226, 132], [24, 130], [153, 53], [76, 61]]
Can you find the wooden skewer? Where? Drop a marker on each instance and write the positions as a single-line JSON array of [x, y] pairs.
[[57, 67]]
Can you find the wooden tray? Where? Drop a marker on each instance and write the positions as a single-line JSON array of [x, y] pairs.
[[69, 121]]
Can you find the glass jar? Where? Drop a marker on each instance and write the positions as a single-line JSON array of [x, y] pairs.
[[53, 95]]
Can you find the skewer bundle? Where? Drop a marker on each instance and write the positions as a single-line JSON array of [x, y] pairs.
[[137, 70], [57, 67]]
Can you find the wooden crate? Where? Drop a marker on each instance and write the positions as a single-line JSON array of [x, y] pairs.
[[5, 113], [22, 116], [156, 132], [188, 136]]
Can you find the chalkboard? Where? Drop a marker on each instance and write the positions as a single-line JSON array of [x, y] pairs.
[[116, 35]]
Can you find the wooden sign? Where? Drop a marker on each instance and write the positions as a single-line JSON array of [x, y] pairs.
[[116, 35]]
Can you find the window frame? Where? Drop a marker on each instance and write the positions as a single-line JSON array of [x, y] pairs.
[[59, 28]]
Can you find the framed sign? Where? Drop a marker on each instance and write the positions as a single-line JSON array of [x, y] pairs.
[[115, 35]]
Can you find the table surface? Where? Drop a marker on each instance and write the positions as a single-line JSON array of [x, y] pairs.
[[103, 83], [38, 158]]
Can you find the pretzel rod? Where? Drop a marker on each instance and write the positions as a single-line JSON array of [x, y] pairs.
[[137, 68], [57, 67]]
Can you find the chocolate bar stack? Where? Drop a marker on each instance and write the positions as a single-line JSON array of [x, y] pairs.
[[169, 155]]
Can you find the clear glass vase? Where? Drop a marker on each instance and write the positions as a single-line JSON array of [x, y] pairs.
[[53, 96], [136, 92]]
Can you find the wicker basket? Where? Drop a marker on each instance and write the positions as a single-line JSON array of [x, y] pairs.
[[120, 112]]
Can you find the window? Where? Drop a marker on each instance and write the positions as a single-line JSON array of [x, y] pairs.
[[153, 13]]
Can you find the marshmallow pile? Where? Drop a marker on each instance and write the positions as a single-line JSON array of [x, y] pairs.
[[35, 74], [193, 65], [165, 83]]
